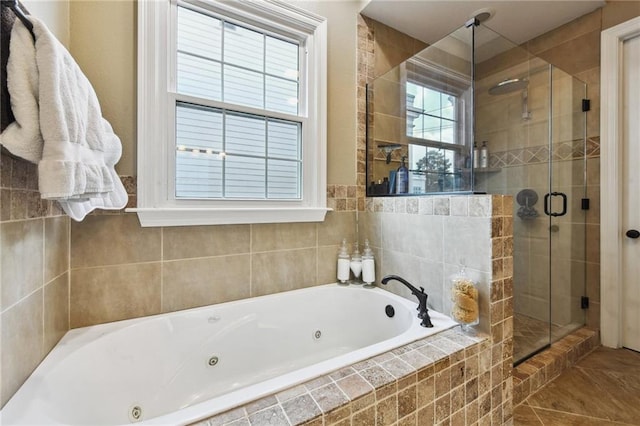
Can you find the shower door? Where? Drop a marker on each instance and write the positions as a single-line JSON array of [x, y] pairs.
[[566, 204], [530, 114]]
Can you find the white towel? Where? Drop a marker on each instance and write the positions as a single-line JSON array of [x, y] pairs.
[[59, 125]]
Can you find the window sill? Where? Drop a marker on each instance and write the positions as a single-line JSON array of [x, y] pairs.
[[150, 217]]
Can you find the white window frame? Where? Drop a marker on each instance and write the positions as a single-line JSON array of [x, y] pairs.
[[156, 201]]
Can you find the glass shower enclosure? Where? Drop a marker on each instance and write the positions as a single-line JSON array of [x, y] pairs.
[[476, 88], [531, 115]]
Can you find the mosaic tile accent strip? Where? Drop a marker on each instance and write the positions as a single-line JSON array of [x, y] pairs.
[[562, 151], [443, 378], [343, 198], [542, 368]]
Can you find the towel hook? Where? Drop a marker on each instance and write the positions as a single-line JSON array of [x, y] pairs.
[[15, 6]]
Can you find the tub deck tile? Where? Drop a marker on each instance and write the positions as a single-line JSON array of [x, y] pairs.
[[228, 417], [291, 393], [301, 409], [316, 383], [354, 386], [415, 359], [340, 374], [377, 376], [329, 397], [398, 368], [261, 404], [272, 416]]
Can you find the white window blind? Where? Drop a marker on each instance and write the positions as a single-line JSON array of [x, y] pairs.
[[223, 152]]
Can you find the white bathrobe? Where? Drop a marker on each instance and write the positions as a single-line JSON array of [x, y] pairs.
[[59, 125]]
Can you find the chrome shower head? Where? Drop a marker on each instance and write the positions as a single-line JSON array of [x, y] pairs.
[[509, 86]]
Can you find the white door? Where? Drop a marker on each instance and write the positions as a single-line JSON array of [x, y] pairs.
[[631, 195]]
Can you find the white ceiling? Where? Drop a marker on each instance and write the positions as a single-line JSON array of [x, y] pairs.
[[517, 20]]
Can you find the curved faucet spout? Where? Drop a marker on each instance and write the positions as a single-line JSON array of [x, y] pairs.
[[423, 312]]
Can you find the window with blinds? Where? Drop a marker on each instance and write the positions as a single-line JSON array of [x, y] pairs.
[[238, 129]]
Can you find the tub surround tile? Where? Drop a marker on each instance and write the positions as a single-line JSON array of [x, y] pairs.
[[327, 264], [282, 236], [336, 226], [329, 397], [301, 409], [56, 311], [56, 246], [205, 281], [184, 242], [22, 340], [114, 293], [291, 393], [354, 386], [270, 416], [104, 240], [22, 260], [277, 271]]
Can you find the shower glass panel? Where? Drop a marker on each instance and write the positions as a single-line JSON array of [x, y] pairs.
[[419, 116], [530, 115]]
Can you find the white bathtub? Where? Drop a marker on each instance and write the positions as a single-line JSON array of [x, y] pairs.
[[97, 375]]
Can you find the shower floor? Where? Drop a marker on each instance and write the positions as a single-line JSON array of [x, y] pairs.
[[530, 334]]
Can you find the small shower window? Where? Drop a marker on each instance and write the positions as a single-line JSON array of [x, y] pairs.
[[432, 132], [431, 114]]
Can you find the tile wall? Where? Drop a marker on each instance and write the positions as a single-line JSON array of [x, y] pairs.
[[426, 239], [34, 274], [120, 270]]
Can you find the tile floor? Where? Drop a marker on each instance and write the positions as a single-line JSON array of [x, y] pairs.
[[600, 390]]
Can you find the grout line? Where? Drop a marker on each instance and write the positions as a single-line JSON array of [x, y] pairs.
[[44, 267], [162, 269], [5, 310], [573, 414], [68, 222], [251, 260]]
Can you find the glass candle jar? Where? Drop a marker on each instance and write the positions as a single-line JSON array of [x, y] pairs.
[[464, 297]]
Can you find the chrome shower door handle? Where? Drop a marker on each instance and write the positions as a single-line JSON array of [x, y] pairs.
[[548, 196]]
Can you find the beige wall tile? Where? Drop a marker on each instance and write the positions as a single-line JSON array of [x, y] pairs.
[[183, 242], [336, 226], [56, 246], [327, 264], [22, 259], [580, 26], [273, 272], [56, 311], [21, 343], [113, 293], [112, 240], [206, 281], [576, 55], [282, 236]]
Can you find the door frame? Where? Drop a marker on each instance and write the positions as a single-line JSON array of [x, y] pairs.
[[611, 122]]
